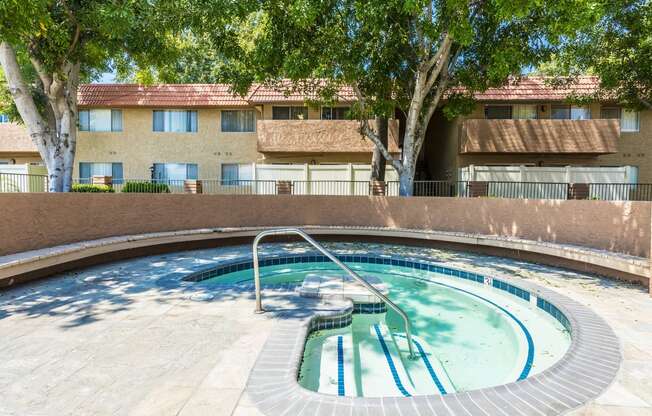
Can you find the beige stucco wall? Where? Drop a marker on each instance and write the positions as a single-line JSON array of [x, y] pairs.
[[21, 158], [65, 218], [138, 147], [633, 148]]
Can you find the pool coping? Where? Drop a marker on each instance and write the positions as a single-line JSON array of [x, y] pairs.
[[589, 366]]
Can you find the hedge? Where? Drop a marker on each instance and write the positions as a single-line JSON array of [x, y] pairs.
[[87, 187], [146, 187]]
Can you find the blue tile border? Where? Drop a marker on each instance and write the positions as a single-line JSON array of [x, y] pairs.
[[275, 260]]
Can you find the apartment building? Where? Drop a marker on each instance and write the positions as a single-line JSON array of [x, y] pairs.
[[530, 123], [205, 132], [198, 131]]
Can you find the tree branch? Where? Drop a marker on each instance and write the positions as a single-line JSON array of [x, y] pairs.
[[38, 128], [45, 78], [442, 56], [368, 132]]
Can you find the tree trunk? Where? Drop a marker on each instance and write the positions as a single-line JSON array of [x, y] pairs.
[[406, 181], [54, 136], [378, 161]]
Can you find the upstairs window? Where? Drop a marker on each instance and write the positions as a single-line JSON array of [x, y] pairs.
[[498, 112], [570, 112], [4, 118], [238, 121], [289, 113], [334, 113], [100, 120], [164, 172], [524, 112], [629, 119], [175, 121]]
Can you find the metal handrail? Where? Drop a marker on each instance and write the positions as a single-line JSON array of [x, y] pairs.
[[354, 275]]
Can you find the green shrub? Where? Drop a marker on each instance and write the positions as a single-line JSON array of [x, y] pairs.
[[88, 187], [146, 187]]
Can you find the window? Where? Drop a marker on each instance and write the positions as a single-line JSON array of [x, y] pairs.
[[233, 173], [570, 112], [89, 169], [629, 119], [334, 113], [4, 118], [498, 112], [289, 113], [4, 161], [238, 120], [176, 121], [524, 112], [100, 120], [174, 171], [610, 112]]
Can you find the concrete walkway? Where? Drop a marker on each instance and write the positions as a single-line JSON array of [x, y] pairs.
[[128, 339]]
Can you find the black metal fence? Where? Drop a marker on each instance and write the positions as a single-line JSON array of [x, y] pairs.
[[12, 182]]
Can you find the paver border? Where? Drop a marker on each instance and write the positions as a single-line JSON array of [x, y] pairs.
[[30, 265]]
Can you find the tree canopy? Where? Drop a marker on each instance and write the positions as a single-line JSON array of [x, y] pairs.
[[412, 55], [618, 49], [47, 47]]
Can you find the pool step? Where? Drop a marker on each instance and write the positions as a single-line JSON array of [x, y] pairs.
[[364, 360]]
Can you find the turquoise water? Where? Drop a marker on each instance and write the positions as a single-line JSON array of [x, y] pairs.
[[470, 336]]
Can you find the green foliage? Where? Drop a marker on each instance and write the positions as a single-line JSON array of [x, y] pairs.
[[618, 49], [87, 187], [146, 187], [376, 43], [98, 35]]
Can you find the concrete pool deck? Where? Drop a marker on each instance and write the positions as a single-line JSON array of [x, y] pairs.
[[121, 338]]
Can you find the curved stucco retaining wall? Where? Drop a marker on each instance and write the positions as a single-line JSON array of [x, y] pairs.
[[34, 221]]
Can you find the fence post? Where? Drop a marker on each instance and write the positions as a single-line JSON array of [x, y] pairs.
[[307, 176], [377, 188], [478, 189], [102, 180], [578, 191], [254, 178], [568, 174], [351, 183], [192, 186], [283, 187]]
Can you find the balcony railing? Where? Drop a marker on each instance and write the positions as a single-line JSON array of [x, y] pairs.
[[540, 136]]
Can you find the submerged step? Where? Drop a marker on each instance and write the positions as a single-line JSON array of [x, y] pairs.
[[341, 286], [366, 359]]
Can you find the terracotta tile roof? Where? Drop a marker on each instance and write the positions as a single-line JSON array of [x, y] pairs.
[[195, 95], [285, 91], [14, 139], [219, 95], [540, 89], [164, 95]]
